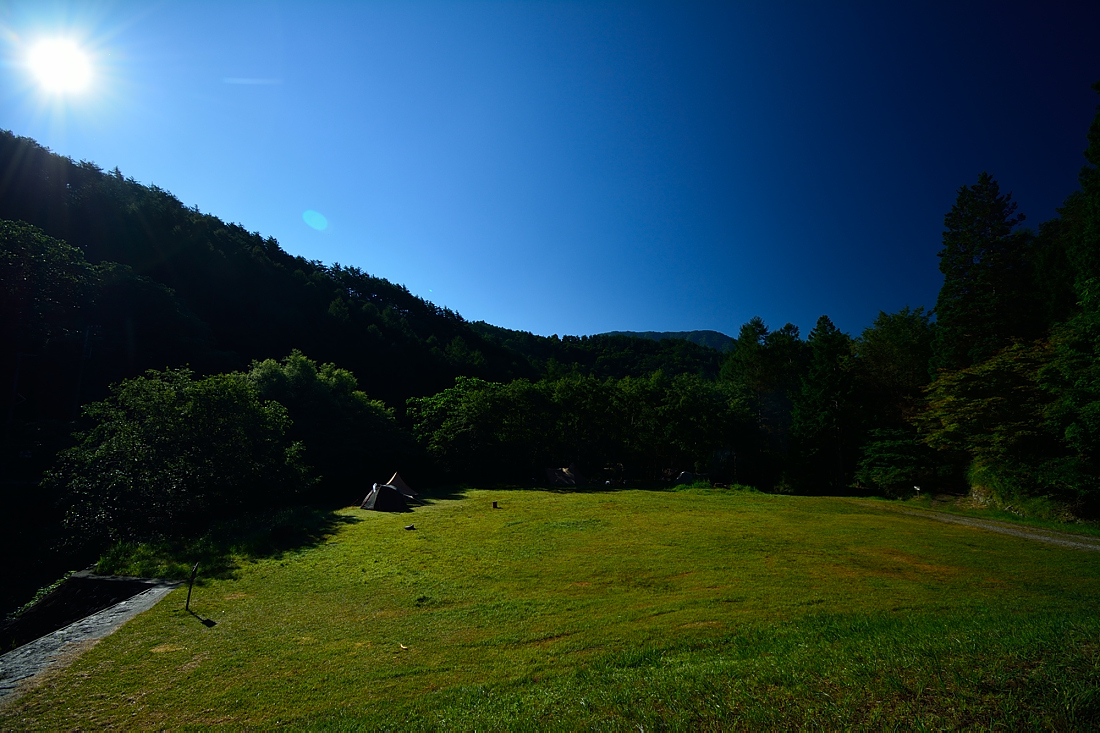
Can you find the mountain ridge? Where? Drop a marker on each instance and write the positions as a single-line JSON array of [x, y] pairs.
[[713, 339]]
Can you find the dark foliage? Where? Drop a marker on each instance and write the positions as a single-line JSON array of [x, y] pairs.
[[166, 454], [608, 428], [825, 427], [897, 463], [712, 339], [351, 439], [605, 355]]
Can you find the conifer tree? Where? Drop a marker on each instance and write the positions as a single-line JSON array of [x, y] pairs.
[[1081, 213], [820, 424], [979, 307]]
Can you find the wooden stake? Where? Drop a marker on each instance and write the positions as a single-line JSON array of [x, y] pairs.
[[190, 585]]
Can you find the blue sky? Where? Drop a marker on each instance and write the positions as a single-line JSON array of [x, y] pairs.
[[580, 167]]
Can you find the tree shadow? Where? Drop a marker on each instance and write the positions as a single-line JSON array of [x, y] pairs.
[[595, 488], [459, 492], [436, 494], [227, 543]]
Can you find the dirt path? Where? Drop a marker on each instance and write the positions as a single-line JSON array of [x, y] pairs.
[[1063, 539], [20, 667]]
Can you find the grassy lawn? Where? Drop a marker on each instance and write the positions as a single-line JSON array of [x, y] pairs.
[[697, 609]]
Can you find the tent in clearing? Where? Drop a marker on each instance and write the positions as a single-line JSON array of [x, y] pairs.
[[396, 482], [384, 498]]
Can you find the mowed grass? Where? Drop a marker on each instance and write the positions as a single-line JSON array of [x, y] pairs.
[[697, 609]]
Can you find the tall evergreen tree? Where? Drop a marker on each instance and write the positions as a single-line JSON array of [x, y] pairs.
[[892, 365], [1073, 374], [982, 303], [821, 427], [1081, 212], [746, 362]]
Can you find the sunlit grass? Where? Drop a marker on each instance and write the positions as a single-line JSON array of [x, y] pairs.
[[692, 609]]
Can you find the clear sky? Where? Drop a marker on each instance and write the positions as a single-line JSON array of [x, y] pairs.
[[580, 167]]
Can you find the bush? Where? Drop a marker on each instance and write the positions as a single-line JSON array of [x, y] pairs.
[[167, 454], [895, 461]]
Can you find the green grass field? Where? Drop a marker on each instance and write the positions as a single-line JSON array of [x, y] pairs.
[[696, 609]]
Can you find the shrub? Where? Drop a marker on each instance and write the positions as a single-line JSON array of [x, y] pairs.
[[895, 461], [168, 453]]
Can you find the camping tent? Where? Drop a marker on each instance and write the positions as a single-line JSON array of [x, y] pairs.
[[564, 476], [396, 482], [384, 498]]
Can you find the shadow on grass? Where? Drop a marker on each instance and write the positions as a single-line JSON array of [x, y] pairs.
[[593, 488], [458, 492], [226, 544], [442, 493], [207, 622]]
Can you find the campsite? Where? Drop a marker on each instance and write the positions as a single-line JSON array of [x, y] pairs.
[[549, 366]]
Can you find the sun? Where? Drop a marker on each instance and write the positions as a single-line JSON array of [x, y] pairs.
[[60, 65]]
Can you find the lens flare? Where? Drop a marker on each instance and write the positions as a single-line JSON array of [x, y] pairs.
[[315, 219], [60, 66]]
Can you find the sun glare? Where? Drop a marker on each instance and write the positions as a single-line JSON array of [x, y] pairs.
[[60, 66]]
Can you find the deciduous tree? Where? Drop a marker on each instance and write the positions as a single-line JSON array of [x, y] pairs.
[[166, 454]]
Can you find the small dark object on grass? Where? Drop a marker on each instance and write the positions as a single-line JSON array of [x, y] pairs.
[[495, 505], [410, 526]]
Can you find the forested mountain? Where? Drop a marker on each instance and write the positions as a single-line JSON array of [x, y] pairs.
[[186, 286], [605, 355], [102, 278], [713, 339]]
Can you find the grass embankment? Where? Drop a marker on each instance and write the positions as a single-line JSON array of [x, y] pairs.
[[693, 609], [1038, 512]]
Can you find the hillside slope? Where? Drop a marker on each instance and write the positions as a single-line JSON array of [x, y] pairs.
[[253, 299]]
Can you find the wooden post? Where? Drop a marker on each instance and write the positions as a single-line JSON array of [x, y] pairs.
[[190, 585]]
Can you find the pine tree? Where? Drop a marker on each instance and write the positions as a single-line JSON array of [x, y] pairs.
[[821, 425], [1081, 213], [983, 302]]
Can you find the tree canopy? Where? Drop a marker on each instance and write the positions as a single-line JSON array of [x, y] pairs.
[[166, 454]]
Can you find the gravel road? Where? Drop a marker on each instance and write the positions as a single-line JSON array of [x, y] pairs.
[[1063, 539]]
